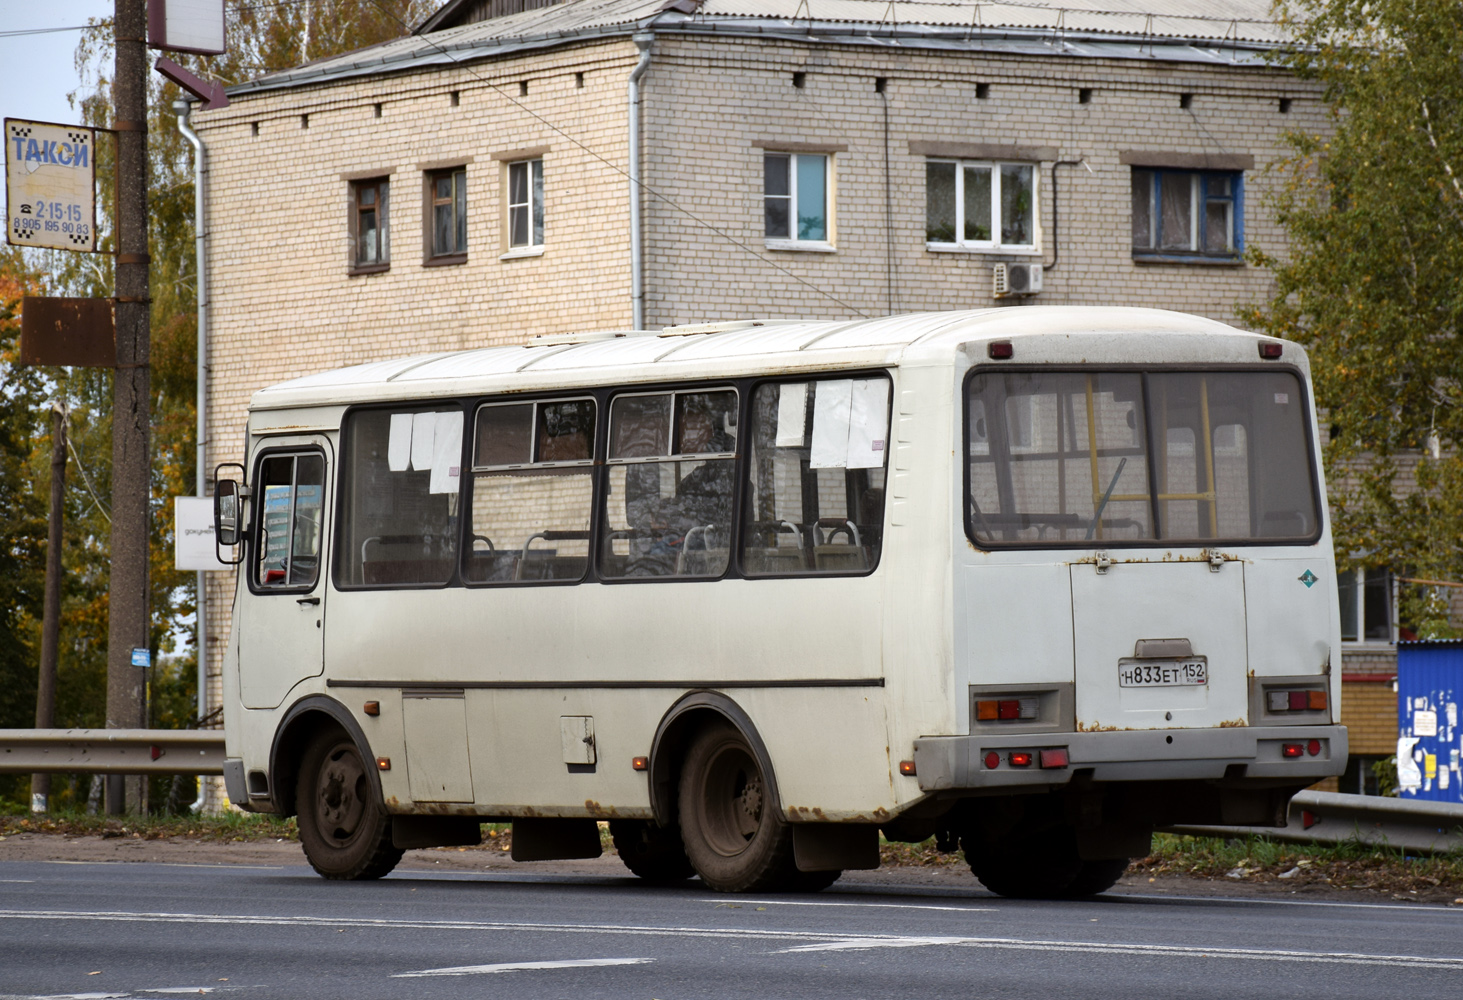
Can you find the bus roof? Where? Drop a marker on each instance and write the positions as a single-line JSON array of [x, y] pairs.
[[751, 347]]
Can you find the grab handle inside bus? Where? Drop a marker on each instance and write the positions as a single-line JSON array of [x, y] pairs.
[[1097, 517]]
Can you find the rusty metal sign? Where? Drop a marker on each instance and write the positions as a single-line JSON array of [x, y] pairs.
[[75, 332], [50, 185]]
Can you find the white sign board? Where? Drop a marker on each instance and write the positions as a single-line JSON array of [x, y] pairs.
[[50, 185], [186, 26], [193, 547]]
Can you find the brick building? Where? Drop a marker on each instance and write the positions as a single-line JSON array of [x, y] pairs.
[[470, 184]]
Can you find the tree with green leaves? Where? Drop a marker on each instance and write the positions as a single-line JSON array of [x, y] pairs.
[[262, 38], [1370, 281]]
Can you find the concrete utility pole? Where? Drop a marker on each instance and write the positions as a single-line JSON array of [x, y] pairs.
[[40, 784], [127, 626]]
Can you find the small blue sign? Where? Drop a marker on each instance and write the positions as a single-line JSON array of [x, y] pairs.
[[1308, 578], [142, 658]]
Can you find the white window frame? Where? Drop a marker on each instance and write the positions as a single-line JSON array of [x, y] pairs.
[[791, 241], [536, 199], [1358, 588], [993, 245]]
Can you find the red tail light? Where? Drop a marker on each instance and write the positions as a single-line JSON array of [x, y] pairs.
[[1291, 750], [992, 760], [1054, 758], [1019, 758], [1313, 747], [1299, 701], [1270, 350]]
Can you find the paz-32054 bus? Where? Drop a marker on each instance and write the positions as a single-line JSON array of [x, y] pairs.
[[1031, 581]]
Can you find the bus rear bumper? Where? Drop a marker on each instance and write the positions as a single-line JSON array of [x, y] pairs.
[[965, 762]]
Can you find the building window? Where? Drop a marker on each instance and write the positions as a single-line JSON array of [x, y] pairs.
[[1366, 605], [1187, 213], [796, 196], [526, 204], [448, 192], [982, 206], [369, 231]]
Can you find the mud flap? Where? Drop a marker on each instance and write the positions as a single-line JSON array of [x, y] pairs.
[[409, 832], [1110, 842], [826, 847], [555, 839]]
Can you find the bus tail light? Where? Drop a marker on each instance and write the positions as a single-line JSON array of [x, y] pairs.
[[1305, 700], [1313, 747], [640, 763], [1291, 750], [1019, 758], [906, 768], [1054, 758], [992, 760], [1270, 350], [1007, 710]]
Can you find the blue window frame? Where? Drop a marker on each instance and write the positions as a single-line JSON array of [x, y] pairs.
[[1187, 214]]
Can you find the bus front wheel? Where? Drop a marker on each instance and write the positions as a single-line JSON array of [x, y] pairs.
[[732, 835], [346, 834]]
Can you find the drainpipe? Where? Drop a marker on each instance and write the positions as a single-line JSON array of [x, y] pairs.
[[637, 276], [182, 108]]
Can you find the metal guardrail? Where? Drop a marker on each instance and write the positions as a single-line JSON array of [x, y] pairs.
[[112, 751], [1333, 818]]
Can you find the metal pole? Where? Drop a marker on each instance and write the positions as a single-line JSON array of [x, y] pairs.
[[643, 42], [182, 109], [127, 626], [40, 784]]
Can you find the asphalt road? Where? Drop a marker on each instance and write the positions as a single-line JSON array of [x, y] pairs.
[[140, 930]]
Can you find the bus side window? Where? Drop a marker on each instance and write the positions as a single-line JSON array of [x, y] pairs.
[[398, 524], [668, 506], [532, 492], [292, 495], [816, 473]]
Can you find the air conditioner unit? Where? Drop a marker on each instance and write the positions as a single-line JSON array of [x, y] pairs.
[[1017, 279]]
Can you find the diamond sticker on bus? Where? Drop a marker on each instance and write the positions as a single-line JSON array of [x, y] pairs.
[[1193, 671]]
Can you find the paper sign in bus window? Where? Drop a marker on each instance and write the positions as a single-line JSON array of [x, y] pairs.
[[792, 414], [868, 425], [850, 424], [446, 452], [398, 445], [832, 408], [423, 440]]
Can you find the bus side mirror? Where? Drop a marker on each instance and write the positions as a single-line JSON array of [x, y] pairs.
[[227, 518]]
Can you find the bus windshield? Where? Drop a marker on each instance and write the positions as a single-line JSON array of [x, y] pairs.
[[1092, 457]]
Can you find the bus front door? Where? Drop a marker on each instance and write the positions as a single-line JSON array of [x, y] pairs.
[[281, 626]]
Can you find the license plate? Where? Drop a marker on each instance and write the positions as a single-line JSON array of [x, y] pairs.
[[1163, 673]]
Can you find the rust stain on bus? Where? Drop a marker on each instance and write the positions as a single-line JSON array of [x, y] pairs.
[[1233, 724]]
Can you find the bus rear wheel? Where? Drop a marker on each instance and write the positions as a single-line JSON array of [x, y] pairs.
[[652, 852], [732, 835], [346, 834]]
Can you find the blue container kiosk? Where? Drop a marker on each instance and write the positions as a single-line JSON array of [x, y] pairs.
[[1429, 741]]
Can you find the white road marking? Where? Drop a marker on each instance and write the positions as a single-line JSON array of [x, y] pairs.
[[175, 864], [480, 970], [17, 880], [812, 941], [1398, 907], [1153, 950], [738, 901]]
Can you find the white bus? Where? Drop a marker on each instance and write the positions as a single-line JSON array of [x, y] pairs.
[[1032, 581]]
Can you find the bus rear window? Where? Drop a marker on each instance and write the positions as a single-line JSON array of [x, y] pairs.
[[1092, 457]]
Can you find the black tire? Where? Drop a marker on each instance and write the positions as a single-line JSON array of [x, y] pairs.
[[1026, 865], [345, 832], [732, 836], [1097, 876], [651, 851]]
